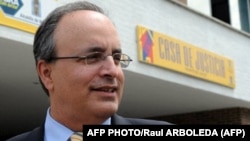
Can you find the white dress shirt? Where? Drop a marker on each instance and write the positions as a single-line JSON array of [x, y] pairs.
[[55, 131]]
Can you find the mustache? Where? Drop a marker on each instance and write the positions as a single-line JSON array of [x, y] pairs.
[[106, 82]]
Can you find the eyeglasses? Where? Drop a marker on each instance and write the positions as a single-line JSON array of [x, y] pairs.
[[96, 57]]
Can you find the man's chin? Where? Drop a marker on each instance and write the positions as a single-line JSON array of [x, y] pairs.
[[107, 109]]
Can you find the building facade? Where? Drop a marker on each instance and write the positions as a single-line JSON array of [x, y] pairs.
[[198, 69]]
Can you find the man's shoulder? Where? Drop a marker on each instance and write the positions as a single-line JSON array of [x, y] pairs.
[[34, 135], [117, 119]]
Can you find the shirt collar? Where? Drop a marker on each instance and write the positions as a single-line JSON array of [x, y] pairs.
[[56, 131]]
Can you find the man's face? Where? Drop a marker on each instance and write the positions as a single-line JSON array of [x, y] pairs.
[[81, 89]]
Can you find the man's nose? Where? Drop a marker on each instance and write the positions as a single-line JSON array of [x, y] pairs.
[[109, 66]]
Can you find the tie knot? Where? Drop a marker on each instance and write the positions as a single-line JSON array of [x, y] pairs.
[[77, 136]]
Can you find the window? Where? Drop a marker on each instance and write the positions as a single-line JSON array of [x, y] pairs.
[[220, 10], [244, 7]]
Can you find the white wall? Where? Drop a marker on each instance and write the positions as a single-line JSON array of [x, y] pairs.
[[234, 14], [203, 6], [172, 19]]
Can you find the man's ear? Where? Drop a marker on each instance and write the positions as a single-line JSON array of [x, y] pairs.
[[44, 71]]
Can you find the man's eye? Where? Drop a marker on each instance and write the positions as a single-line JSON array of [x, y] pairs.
[[95, 57], [117, 57]]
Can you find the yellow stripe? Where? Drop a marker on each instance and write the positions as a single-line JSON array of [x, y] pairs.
[[11, 22]]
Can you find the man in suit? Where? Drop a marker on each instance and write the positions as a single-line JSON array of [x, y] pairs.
[[79, 62]]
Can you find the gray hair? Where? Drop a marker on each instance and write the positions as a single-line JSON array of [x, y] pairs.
[[44, 44]]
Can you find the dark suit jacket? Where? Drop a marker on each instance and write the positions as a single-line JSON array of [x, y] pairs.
[[38, 133]]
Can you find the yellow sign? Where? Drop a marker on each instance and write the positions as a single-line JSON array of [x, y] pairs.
[[25, 15], [17, 24], [167, 52]]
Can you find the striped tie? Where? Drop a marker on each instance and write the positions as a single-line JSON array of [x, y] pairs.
[[77, 136]]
